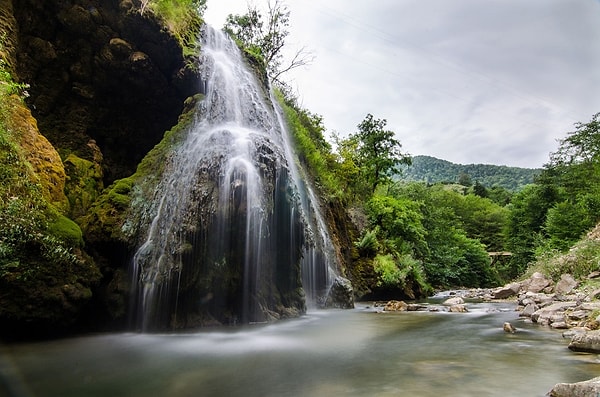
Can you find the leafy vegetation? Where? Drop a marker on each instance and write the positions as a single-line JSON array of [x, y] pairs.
[[563, 204], [41, 263]]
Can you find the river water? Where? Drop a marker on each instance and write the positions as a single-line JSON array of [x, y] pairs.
[[328, 353]]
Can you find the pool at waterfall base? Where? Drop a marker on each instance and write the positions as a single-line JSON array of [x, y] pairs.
[[357, 352]]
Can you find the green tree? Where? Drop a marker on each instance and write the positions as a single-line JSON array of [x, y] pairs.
[[573, 173], [399, 221], [378, 154], [528, 211], [266, 37]]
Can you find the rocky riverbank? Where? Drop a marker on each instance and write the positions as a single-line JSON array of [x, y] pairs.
[[570, 305]]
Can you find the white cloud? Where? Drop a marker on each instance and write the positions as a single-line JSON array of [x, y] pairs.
[[464, 80]]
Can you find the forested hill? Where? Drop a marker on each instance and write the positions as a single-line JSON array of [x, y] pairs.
[[432, 170]]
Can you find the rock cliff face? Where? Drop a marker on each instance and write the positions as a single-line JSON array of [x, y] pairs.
[[100, 72], [106, 82]]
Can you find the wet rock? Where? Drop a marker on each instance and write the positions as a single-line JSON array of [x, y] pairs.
[[395, 306], [581, 389], [457, 300], [507, 291], [341, 294], [459, 308], [586, 342], [508, 327], [566, 284]]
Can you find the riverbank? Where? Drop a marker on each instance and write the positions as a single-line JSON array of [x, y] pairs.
[[569, 305]]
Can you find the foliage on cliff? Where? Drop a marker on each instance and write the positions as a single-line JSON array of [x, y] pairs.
[[45, 278], [183, 18]]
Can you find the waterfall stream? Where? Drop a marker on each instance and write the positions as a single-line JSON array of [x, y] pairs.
[[236, 234]]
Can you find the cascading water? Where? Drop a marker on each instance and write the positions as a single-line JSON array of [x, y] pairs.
[[235, 234]]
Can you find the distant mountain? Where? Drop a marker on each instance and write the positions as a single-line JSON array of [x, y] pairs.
[[433, 170]]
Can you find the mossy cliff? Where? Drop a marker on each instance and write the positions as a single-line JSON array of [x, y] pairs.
[[87, 88]]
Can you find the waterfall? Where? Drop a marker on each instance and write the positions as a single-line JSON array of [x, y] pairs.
[[236, 233]]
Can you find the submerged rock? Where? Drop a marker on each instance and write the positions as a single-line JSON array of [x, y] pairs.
[[508, 327], [458, 308], [395, 306]]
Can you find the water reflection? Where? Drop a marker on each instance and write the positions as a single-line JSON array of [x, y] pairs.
[[326, 353]]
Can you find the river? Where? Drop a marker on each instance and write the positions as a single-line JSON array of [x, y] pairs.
[[327, 353]]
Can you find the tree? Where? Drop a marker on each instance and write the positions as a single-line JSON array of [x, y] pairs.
[[580, 146], [379, 154], [267, 37]]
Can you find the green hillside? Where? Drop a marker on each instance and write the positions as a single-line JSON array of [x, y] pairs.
[[433, 170]]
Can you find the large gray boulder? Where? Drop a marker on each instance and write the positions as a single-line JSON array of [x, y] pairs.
[[566, 284], [587, 388], [341, 294], [507, 291], [536, 283], [586, 342]]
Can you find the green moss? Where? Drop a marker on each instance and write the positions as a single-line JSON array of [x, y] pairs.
[[84, 184], [115, 215], [65, 230]]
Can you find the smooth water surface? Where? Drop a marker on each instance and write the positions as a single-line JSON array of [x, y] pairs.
[[325, 353]]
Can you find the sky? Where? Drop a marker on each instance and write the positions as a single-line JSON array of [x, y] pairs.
[[468, 81]]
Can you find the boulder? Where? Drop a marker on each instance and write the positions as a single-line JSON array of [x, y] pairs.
[[586, 342], [536, 283], [457, 300], [508, 327], [506, 291], [551, 313], [341, 294], [459, 308], [395, 306], [529, 310], [566, 284], [581, 389]]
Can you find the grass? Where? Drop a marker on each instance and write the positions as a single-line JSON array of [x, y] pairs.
[[582, 259], [183, 18]]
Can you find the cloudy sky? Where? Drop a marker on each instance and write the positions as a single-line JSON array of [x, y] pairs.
[[469, 81]]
